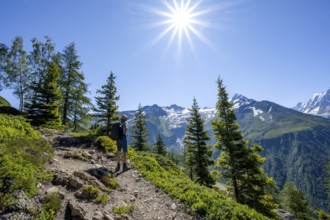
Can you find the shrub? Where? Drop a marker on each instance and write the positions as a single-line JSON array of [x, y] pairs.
[[52, 202], [102, 199], [123, 209], [90, 192], [22, 155], [106, 143], [110, 181]]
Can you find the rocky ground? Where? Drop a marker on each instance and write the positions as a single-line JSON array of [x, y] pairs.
[[72, 172]]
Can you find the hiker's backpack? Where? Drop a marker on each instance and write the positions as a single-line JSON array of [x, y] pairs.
[[116, 130]]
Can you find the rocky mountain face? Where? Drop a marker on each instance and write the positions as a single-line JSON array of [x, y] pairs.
[[319, 105], [296, 145]]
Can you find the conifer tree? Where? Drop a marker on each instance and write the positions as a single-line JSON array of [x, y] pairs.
[[160, 147], [106, 103], [239, 163], [294, 201], [44, 99], [139, 131], [44, 108], [198, 154], [73, 88], [17, 69], [81, 105]]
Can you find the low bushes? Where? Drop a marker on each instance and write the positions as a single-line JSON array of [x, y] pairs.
[[22, 155]]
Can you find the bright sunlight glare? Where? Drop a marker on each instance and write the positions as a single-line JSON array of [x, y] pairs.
[[183, 21]]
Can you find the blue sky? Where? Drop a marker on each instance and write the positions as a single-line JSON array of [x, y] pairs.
[[276, 50]]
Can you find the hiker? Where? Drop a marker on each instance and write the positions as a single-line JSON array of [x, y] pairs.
[[122, 144]]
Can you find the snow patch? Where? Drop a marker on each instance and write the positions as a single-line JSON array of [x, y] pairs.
[[256, 112]]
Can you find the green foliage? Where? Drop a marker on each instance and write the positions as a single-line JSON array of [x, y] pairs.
[[205, 201], [90, 192], [322, 215], [106, 143], [197, 153], [102, 199], [110, 181], [294, 201], [18, 71], [106, 103], [123, 209], [22, 155], [75, 105], [52, 202], [139, 131], [240, 164], [159, 146]]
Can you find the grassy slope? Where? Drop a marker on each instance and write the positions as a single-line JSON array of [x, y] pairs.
[[203, 201]]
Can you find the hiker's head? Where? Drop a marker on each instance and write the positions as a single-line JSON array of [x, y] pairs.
[[124, 117]]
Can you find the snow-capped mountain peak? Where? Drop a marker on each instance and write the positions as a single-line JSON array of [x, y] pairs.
[[240, 100], [319, 105]]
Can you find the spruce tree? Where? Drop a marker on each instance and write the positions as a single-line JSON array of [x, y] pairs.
[[239, 163], [44, 99], [160, 147], [18, 72], [106, 103], [44, 107], [198, 154], [294, 201], [75, 102], [139, 131]]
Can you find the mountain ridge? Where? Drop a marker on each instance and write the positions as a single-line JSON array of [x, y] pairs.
[[281, 131], [318, 105]]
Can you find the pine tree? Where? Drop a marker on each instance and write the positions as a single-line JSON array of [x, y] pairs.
[[106, 103], [18, 72], [81, 105], [294, 201], [75, 102], [239, 163], [198, 157], [139, 131], [160, 147], [44, 99], [44, 108]]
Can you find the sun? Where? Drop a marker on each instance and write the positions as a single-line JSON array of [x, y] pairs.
[[182, 21]]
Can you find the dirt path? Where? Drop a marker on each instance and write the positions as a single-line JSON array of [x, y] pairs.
[[149, 202]]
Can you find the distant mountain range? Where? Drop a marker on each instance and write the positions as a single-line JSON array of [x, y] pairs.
[[319, 105], [296, 145]]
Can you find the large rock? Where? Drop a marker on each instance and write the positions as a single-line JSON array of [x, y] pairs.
[[77, 211], [21, 203]]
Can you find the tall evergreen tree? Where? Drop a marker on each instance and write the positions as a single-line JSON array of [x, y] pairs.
[[239, 163], [81, 106], [3, 58], [17, 69], [106, 103], [44, 108], [198, 153], [45, 96], [160, 147], [75, 103], [294, 201], [139, 131]]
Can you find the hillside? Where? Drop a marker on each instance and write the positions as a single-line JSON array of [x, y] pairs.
[[296, 145], [74, 179]]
